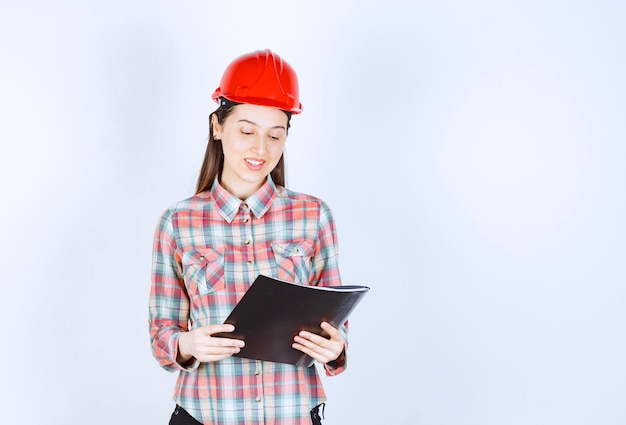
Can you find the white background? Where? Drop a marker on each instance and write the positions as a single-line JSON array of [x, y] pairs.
[[472, 153]]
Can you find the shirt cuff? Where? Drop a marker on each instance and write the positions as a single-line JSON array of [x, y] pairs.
[[190, 365], [335, 367]]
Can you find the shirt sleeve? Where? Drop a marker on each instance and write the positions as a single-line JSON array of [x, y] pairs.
[[169, 301], [326, 273]]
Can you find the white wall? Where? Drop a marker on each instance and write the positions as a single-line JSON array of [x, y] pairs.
[[472, 152]]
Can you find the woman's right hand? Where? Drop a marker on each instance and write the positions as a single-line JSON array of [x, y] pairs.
[[200, 343]]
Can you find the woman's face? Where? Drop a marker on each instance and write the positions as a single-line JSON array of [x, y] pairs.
[[253, 139]]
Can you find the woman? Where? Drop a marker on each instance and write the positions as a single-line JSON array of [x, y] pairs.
[[209, 248]]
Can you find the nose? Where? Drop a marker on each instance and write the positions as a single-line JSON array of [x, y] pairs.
[[259, 144]]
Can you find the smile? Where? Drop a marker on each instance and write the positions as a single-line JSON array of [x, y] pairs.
[[254, 163]]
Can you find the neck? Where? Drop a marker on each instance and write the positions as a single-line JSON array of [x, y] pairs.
[[241, 190]]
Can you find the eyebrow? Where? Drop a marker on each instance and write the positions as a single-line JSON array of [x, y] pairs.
[[255, 124]]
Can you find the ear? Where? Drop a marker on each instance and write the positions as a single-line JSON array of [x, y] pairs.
[[216, 127]]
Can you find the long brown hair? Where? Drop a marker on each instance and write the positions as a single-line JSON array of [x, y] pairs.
[[213, 163]]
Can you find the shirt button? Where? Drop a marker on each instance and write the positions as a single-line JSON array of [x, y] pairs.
[[249, 262], [248, 242], [245, 220], [258, 399], [257, 373]]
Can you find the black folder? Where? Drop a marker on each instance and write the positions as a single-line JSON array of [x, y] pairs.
[[273, 311]]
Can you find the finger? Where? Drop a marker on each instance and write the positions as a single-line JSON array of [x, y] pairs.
[[323, 356], [333, 332], [213, 353], [213, 357], [310, 336], [213, 329], [306, 350], [324, 347], [317, 339], [221, 350], [327, 348], [330, 329], [220, 341]]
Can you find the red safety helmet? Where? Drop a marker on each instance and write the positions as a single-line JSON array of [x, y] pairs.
[[261, 78]]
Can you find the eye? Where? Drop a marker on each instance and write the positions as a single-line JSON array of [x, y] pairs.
[[277, 136], [246, 131]]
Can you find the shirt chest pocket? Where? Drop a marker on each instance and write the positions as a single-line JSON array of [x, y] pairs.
[[294, 261], [203, 270]]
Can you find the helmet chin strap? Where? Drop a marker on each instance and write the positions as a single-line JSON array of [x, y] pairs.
[[227, 103]]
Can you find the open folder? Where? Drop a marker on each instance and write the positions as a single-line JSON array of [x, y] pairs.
[[272, 312]]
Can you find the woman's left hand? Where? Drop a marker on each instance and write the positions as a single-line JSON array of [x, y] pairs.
[[322, 349]]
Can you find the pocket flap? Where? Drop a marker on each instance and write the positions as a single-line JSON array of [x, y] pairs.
[[295, 249], [200, 255]]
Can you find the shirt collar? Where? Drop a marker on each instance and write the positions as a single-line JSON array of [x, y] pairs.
[[259, 202]]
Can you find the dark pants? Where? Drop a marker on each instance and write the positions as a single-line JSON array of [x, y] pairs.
[[181, 417]]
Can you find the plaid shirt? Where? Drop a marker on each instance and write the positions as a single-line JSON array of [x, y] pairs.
[[208, 250]]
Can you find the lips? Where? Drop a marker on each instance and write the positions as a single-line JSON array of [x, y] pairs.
[[254, 164]]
